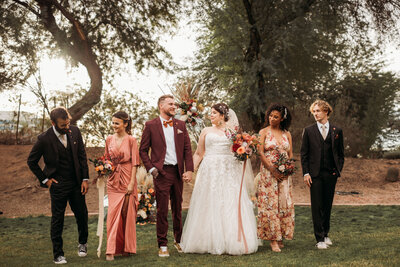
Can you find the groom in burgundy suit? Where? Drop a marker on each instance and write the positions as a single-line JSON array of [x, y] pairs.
[[171, 154]]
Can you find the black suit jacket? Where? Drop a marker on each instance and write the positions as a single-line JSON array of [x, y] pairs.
[[311, 149], [46, 146]]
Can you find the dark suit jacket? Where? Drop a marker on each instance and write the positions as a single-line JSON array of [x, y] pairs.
[[153, 138], [46, 146], [311, 149]]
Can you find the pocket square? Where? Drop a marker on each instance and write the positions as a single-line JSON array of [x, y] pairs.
[[178, 131]]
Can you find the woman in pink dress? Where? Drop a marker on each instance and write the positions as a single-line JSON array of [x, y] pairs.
[[274, 195], [122, 149]]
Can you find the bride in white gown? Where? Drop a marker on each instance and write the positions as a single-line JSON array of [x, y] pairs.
[[212, 223]]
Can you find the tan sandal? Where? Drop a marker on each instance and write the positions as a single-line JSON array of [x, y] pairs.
[[274, 246], [109, 257], [280, 244]]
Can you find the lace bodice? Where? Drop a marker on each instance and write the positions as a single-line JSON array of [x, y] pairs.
[[216, 144]]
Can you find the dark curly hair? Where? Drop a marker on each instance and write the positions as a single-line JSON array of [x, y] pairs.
[[122, 115], [285, 114], [222, 109]]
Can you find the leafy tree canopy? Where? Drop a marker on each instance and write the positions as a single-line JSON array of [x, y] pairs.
[[99, 34], [260, 51]]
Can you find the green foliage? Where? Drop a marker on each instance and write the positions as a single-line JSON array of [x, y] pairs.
[[362, 236], [368, 100], [294, 52], [96, 124]]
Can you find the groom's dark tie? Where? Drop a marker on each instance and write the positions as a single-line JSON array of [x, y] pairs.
[[168, 122]]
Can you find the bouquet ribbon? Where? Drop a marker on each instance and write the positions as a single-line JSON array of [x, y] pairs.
[[240, 223], [100, 223]]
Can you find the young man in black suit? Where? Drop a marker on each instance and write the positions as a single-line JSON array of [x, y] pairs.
[[322, 158], [66, 175]]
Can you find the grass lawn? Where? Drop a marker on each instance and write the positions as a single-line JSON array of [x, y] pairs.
[[362, 236]]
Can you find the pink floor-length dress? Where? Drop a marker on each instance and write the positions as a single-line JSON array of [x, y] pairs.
[[125, 157]]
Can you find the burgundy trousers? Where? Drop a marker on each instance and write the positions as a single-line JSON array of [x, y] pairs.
[[169, 187]]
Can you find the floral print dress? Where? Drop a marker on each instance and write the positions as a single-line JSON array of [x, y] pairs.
[[274, 199]]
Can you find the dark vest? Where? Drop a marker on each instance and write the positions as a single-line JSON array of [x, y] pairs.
[[66, 168], [327, 160]]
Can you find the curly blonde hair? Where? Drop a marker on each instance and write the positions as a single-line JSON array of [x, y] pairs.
[[323, 105]]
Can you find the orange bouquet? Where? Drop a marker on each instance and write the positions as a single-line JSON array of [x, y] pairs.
[[244, 145], [102, 166]]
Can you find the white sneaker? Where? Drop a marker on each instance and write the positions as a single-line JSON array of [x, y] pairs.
[[328, 241], [82, 250], [60, 260], [321, 245]]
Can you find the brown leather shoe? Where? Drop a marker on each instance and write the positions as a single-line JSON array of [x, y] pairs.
[[163, 253], [178, 247]]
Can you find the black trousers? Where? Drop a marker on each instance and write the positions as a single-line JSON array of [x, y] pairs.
[[322, 192], [62, 193]]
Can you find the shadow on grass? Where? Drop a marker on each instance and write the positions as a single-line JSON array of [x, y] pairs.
[[362, 236]]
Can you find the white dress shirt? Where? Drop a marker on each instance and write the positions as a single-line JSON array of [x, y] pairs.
[[326, 127], [61, 137], [170, 155]]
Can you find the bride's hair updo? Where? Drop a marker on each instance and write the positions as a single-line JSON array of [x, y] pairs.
[[222, 109]]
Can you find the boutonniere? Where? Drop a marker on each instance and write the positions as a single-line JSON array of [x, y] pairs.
[[178, 131], [337, 136], [70, 135]]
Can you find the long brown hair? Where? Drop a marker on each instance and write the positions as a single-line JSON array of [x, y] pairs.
[[122, 115]]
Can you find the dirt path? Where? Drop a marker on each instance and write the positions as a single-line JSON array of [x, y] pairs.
[[21, 195]]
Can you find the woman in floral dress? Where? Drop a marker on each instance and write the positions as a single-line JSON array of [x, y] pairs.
[[274, 193]]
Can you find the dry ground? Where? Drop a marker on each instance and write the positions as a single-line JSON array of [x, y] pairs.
[[21, 195]]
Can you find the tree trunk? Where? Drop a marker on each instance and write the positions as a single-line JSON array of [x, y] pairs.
[[252, 55], [79, 49]]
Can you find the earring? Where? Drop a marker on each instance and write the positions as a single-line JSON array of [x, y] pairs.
[[219, 123]]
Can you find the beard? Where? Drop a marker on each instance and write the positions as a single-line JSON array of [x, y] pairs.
[[61, 131], [169, 113]]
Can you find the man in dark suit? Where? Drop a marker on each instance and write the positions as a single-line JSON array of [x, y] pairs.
[[66, 175], [171, 154], [322, 158]]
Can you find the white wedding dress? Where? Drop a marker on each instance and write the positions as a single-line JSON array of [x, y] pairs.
[[211, 225]]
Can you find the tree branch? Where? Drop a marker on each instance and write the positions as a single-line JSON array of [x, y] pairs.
[[302, 9], [27, 7], [84, 56]]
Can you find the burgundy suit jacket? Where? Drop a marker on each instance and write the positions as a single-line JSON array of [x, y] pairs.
[[153, 139]]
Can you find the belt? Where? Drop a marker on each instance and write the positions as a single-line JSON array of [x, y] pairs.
[[170, 165]]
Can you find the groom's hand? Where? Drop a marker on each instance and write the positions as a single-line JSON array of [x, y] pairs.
[[84, 187], [187, 176], [307, 180], [154, 173], [50, 181]]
